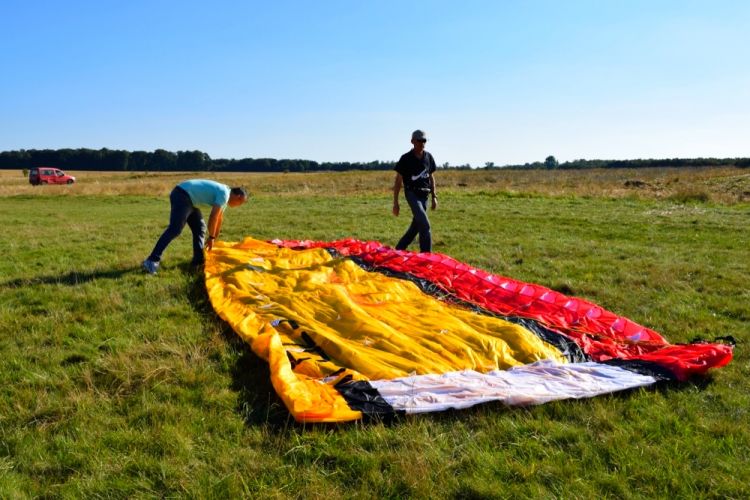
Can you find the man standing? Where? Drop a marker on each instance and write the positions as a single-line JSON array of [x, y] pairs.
[[415, 172], [183, 199]]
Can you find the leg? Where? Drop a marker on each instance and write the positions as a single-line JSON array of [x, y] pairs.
[[423, 225], [412, 230], [408, 237], [419, 223], [198, 228], [181, 208]]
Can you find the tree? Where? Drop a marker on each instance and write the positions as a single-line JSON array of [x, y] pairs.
[[114, 160], [551, 162], [163, 160], [193, 161], [138, 161]]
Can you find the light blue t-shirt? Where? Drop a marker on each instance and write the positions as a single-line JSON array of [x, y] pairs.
[[205, 192]]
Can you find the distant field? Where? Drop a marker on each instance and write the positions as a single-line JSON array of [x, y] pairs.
[[118, 384], [721, 185]]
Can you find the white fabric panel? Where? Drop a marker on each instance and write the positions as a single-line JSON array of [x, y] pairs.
[[531, 384]]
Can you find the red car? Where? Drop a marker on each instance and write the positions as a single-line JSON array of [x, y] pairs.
[[49, 175]]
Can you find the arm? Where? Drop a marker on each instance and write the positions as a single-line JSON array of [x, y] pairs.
[[396, 190], [434, 192], [214, 225]]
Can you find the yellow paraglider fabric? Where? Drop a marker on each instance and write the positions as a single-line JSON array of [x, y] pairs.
[[316, 319], [307, 399]]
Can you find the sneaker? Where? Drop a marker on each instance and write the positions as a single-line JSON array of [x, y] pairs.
[[150, 266]]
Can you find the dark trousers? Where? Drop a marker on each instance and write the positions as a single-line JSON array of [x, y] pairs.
[[420, 224], [182, 212]]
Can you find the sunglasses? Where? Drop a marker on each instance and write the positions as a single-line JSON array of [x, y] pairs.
[[422, 140]]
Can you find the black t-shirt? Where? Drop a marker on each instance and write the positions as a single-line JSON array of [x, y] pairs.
[[416, 171]]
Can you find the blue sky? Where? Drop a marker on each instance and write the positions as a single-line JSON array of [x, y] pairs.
[[501, 81]]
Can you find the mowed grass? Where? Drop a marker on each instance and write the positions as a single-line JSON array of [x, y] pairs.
[[117, 384]]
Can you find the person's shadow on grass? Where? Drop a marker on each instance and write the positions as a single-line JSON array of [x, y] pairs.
[[257, 400], [73, 278]]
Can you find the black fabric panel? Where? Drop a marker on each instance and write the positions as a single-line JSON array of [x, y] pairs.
[[567, 347], [643, 367], [727, 339], [313, 347], [362, 396]]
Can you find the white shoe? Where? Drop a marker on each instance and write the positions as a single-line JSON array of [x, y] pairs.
[[150, 266]]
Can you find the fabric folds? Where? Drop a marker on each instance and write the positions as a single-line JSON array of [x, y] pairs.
[[353, 329]]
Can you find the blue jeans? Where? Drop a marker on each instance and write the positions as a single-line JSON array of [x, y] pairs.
[[420, 224], [182, 212]]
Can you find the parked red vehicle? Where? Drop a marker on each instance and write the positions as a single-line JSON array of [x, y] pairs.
[[49, 175]]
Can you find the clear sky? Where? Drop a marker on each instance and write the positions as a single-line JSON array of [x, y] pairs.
[[506, 81]]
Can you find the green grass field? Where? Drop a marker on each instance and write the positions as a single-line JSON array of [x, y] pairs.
[[118, 384]]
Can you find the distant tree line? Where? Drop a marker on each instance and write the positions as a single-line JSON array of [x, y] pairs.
[[551, 163], [165, 161], [161, 160]]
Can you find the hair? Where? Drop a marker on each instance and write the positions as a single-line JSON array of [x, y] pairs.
[[239, 191]]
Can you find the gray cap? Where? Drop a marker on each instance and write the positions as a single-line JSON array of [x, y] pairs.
[[419, 135]]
